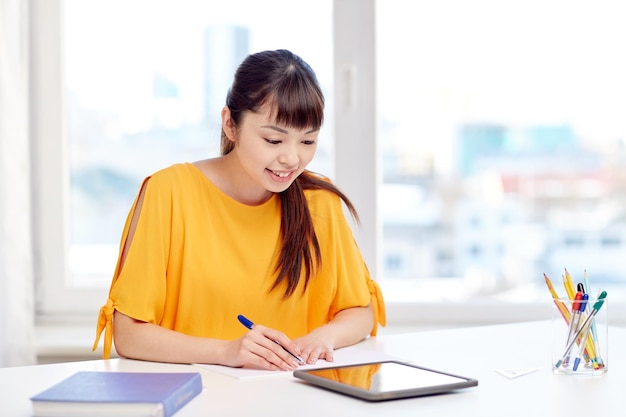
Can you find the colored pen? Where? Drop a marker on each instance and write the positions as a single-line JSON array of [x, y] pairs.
[[589, 351], [594, 331], [578, 306], [247, 323], [590, 344], [581, 347], [596, 307], [583, 340]]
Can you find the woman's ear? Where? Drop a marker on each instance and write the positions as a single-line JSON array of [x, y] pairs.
[[227, 124]]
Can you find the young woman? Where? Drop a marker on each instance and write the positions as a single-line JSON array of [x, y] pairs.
[[251, 233]]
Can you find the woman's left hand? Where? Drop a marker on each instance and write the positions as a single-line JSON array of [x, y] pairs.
[[315, 346], [348, 327]]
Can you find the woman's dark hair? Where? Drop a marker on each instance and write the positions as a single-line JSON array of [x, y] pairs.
[[285, 81]]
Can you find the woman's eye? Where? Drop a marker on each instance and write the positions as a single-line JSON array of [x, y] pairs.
[[309, 142], [272, 141]]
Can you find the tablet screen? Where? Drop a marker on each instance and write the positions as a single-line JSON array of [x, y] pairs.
[[385, 380]]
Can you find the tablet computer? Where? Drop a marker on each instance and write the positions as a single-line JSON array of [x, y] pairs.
[[385, 380]]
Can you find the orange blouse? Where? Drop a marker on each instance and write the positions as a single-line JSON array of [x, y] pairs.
[[199, 258]]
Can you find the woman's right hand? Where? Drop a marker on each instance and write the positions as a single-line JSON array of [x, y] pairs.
[[261, 348], [136, 339]]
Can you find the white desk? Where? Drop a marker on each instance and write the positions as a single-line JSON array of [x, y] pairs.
[[475, 352]]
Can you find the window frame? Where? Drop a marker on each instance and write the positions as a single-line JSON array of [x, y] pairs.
[[50, 173]]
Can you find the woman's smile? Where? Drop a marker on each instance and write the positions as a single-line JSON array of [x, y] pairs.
[[281, 176]]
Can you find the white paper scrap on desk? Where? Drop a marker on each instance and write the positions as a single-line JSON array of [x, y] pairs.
[[345, 356], [514, 373]]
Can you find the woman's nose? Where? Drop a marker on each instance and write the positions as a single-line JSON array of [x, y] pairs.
[[289, 157]]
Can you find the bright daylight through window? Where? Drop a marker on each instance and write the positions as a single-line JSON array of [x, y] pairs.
[[140, 100], [501, 131], [503, 147]]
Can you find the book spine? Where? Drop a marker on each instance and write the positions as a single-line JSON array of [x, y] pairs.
[[182, 396]]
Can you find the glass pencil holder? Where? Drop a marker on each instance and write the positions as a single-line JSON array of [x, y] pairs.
[[580, 338]]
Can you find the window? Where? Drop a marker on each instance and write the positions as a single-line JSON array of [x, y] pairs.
[[494, 111], [139, 100], [142, 85], [485, 136]]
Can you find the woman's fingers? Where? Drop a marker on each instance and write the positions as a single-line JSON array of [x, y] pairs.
[[259, 349]]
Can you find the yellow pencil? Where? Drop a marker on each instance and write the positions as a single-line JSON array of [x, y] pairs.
[[557, 301], [568, 283], [589, 345]]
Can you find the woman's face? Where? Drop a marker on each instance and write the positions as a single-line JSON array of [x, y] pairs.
[[272, 155]]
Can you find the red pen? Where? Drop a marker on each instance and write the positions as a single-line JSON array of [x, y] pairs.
[[578, 306]]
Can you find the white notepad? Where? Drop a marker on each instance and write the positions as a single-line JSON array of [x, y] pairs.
[[345, 356]]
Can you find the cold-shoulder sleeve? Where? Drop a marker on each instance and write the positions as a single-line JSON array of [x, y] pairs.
[[138, 287]]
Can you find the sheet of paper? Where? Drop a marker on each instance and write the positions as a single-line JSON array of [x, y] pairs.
[[345, 356], [517, 372]]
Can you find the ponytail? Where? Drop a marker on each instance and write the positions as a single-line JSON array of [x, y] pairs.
[[300, 248]]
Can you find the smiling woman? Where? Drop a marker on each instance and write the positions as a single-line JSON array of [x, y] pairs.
[[228, 235], [266, 151]]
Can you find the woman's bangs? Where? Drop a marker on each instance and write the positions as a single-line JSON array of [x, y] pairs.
[[300, 109]]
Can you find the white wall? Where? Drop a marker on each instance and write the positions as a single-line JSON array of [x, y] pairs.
[[16, 258]]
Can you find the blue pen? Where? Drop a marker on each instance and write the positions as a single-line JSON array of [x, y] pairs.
[[581, 346], [246, 322]]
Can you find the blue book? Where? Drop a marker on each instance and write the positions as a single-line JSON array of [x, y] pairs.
[[118, 394]]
